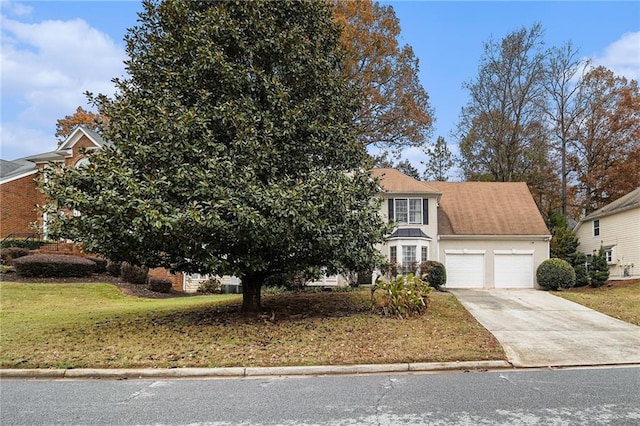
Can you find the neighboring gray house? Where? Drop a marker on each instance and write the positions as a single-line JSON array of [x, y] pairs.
[[615, 227]]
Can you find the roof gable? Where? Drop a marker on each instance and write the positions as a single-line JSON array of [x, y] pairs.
[[392, 180], [626, 202], [75, 136], [488, 208]]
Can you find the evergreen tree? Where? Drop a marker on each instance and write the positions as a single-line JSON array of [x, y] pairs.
[[441, 160], [599, 269], [233, 148]]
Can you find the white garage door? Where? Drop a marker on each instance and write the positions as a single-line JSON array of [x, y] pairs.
[[465, 270], [513, 270]]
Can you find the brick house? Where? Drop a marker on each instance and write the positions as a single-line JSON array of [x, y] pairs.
[[19, 194]]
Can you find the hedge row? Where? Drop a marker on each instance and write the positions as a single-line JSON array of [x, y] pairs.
[[53, 266]]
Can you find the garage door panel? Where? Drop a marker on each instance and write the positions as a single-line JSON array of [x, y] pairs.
[[513, 270], [465, 270]]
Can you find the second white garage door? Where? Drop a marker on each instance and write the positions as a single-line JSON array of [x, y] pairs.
[[513, 270], [465, 270]]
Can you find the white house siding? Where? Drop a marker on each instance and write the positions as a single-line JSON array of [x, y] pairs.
[[430, 229], [192, 282], [622, 232], [537, 247]]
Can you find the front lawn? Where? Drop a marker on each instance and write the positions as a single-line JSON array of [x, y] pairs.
[[95, 325], [618, 299]]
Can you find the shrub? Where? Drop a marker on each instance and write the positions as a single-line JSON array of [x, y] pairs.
[[211, 286], [160, 285], [403, 296], [101, 264], [134, 274], [555, 273], [434, 273], [23, 243], [599, 270], [580, 268], [9, 253], [53, 265], [113, 268]]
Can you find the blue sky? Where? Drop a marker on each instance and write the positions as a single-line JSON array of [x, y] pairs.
[[52, 52]]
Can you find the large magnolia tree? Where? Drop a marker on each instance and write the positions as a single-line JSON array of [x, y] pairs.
[[233, 148]]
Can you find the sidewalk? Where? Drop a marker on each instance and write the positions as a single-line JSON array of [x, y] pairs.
[[538, 329]]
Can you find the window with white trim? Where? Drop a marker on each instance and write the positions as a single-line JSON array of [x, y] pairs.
[[393, 254], [408, 210], [596, 227], [424, 254], [609, 255], [408, 257]]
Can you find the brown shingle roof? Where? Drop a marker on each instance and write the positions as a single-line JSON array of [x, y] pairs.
[[488, 208], [394, 181]]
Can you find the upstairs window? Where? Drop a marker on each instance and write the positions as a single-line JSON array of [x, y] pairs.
[[596, 228], [408, 211]]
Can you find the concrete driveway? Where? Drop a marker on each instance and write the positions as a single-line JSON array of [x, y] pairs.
[[539, 329]]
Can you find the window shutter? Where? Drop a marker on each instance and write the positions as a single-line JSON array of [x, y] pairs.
[[425, 211], [390, 204]]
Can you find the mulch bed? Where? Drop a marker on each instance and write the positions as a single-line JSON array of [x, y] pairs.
[[135, 290]]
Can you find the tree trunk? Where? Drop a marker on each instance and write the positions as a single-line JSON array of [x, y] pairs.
[[251, 285]]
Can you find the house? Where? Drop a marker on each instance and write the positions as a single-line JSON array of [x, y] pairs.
[[19, 194], [487, 234], [615, 227]]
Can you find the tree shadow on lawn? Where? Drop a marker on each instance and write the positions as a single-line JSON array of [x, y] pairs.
[[279, 308]]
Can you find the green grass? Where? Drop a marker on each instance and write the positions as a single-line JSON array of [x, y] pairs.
[[618, 299], [95, 325]]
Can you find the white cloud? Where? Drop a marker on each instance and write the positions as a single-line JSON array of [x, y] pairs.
[[16, 9], [20, 141], [622, 56], [46, 68]]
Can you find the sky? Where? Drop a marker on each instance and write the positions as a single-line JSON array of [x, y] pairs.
[[52, 52]]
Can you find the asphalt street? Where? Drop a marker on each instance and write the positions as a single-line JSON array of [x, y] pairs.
[[503, 397]]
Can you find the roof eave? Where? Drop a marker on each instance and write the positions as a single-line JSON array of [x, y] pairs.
[[495, 236]]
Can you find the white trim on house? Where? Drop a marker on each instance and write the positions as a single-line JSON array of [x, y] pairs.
[[74, 137], [20, 176]]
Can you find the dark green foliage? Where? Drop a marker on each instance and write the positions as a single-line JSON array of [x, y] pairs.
[[22, 242], [440, 161], [134, 274], [580, 266], [113, 268], [9, 253], [233, 148], [555, 273], [405, 167], [598, 270], [160, 285], [53, 266], [101, 264], [434, 273], [564, 244]]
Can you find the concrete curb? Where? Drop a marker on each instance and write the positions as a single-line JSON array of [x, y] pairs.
[[141, 373]]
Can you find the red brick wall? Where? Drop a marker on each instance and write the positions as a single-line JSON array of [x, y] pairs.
[[18, 200], [83, 142], [177, 280]]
